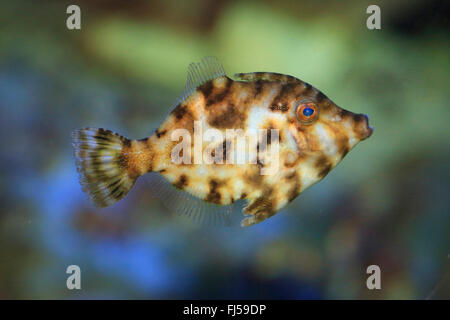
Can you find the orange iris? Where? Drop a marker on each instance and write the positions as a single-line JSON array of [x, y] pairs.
[[307, 112]]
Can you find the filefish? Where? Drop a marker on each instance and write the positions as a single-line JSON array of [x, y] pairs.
[[313, 135]]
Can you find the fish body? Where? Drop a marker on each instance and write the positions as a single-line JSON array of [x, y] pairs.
[[306, 136]]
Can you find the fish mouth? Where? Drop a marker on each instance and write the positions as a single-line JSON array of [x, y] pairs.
[[362, 128], [367, 129]]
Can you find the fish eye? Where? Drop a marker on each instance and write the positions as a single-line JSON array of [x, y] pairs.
[[307, 112]]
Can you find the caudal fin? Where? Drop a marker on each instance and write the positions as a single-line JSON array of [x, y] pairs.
[[102, 165]]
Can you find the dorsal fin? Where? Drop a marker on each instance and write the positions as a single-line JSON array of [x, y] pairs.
[[267, 76], [198, 73]]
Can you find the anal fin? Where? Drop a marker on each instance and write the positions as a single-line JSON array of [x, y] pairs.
[[183, 203]]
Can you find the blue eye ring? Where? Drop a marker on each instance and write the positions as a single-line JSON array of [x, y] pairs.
[[307, 112]]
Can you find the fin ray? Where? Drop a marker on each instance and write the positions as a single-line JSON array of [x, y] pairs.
[[185, 204], [207, 69], [99, 160]]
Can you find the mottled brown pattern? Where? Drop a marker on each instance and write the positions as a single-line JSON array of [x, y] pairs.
[[295, 183], [214, 195], [184, 118], [206, 89], [320, 97], [281, 101], [180, 111], [253, 177], [218, 95], [307, 88], [258, 85], [323, 166], [161, 133], [223, 109], [181, 182], [360, 127], [308, 141], [261, 100], [137, 158], [345, 151], [226, 117], [342, 144]]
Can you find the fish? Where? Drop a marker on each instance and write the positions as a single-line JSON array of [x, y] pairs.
[[294, 125]]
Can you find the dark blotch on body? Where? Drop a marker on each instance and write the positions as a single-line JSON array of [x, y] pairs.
[[320, 96], [359, 118], [218, 97], [214, 195], [280, 102], [295, 190], [254, 178], [342, 145], [323, 166], [307, 86], [206, 89], [344, 113], [184, 117], [345, 151], [180, 111], [230, 118], [258, 87], [159, 134], [181, 182], [292, 175]]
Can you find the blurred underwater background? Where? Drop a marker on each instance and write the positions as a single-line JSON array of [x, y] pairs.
[[386, 204]]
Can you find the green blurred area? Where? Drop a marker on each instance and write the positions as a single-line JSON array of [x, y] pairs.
[[386, 204]]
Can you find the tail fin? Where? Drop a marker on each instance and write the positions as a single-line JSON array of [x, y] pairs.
[[102, 165]]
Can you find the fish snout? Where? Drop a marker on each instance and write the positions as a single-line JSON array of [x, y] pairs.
[[362, 127]]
